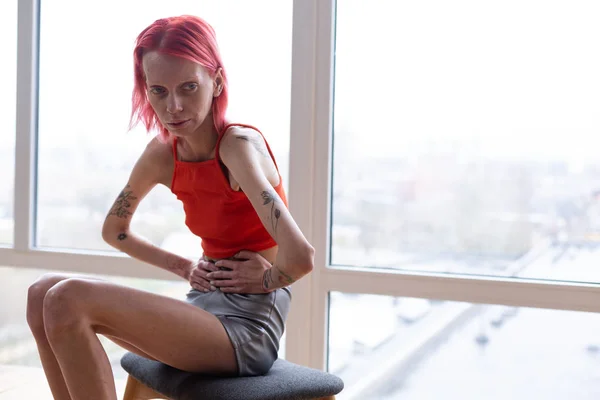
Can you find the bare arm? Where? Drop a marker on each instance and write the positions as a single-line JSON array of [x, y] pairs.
[[153, 167], [242, 154]]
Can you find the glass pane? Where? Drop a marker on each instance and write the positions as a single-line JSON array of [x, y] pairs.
[[468, 143], [425, 349], [8, 70], [83, 164]]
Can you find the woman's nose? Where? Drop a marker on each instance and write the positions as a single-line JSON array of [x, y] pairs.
[[174, 105]]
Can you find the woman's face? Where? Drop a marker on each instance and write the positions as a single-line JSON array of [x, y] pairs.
[[180, 92]]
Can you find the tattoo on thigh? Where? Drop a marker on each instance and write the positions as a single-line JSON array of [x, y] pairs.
[[270, 198], [122, 204], [258, 144]]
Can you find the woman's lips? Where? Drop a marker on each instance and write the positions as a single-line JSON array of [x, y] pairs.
[[178, 124]]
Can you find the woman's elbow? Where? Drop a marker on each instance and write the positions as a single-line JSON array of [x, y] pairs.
[[110, 233], [301, 260], [309, 258], [107, 234]]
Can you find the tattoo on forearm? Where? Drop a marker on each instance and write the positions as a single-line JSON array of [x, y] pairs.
[[122, 236], [283, 277], [123, 203], [258, 144], [270, 198], [268, 279]]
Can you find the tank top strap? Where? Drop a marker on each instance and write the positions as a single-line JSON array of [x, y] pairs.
[[222, 133]]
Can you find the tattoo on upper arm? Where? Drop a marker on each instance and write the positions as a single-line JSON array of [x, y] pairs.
[[258, 144], [269, 198], [123, 203], [122, 236]]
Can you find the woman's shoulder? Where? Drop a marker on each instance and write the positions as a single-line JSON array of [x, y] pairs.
[[241, 130], [159, 150], [235, 135], [156, 161], [244, 148]]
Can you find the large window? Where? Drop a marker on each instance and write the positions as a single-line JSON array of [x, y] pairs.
[[85, 151], [453, 151], [463, 146], [466, 137], [8, 71]]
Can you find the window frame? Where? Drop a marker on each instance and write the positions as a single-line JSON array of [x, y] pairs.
[[310, 188], [309, 197]]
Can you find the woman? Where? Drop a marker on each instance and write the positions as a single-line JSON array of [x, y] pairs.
[[229, 184]]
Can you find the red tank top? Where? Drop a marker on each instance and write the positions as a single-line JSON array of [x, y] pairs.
[[223, 218]]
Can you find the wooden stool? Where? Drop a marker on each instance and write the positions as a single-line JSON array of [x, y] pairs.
[[150, 379]]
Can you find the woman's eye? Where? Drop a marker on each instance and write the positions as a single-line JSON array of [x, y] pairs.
[[191, 86], [156, 90]]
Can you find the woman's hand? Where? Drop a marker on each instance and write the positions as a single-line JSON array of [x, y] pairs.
[[198, 275], [244, 275]]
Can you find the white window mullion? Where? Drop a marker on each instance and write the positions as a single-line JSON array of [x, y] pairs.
[[298, 326], [487, 290], [26, 123], [321, 179], [101, 263]]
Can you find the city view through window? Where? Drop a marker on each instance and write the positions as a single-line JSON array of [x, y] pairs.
[[465, 142]]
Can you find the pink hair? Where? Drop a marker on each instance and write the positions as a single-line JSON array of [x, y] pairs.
[[187, 37]]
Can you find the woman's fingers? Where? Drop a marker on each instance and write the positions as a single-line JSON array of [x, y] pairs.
[[200, 284], [198, 278], [198, 273], [248, 255], [225, 275], [229, 264], [220, 283], [207, 266], [211, 276]]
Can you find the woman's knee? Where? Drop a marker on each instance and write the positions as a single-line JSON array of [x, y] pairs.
[[60, 305], [35, 300]]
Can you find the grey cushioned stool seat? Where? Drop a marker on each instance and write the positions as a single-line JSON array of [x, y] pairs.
[[285, 381]]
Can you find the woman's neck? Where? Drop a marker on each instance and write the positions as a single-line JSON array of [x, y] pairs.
[[198, 147]]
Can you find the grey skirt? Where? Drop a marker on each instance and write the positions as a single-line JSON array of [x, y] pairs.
[[254, 323]]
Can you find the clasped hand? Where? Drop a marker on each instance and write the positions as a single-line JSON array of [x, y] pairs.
[[243, 275]]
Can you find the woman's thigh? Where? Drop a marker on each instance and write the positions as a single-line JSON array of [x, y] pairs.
[[46, 282], [165, 329]]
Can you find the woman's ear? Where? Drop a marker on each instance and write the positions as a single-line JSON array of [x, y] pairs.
[[218, 83]]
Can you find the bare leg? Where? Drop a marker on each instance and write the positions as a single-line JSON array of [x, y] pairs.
[[35, 300], [176, 333]]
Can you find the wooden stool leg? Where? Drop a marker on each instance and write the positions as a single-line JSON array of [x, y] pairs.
[[136, 390]]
